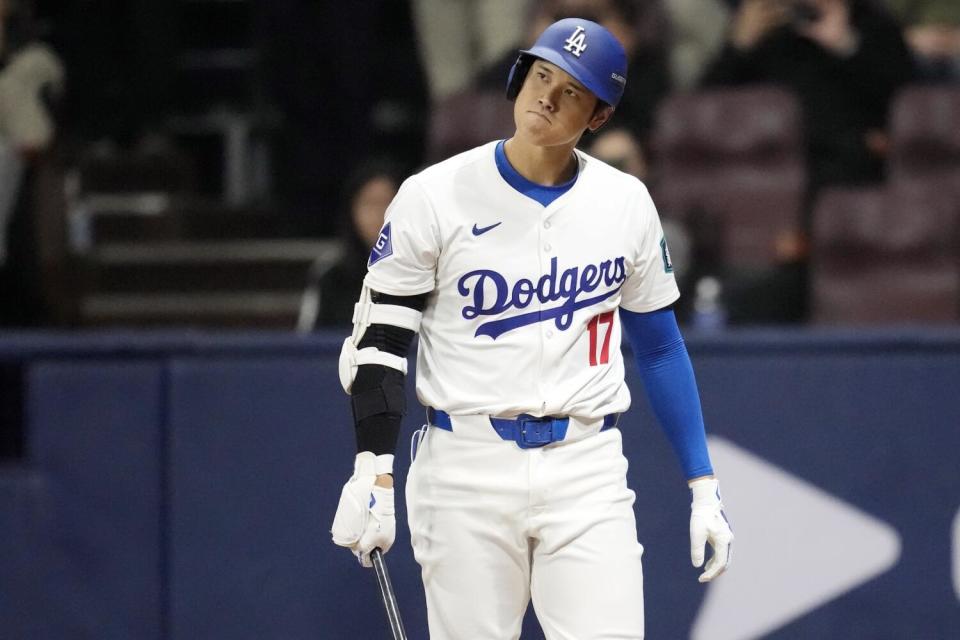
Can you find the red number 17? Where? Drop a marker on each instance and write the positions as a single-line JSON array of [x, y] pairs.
[[593, 327]]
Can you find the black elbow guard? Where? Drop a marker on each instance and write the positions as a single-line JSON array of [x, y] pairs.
[[377, 395]]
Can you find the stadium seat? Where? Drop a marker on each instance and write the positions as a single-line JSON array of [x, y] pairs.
[[924, 136], [886, 255], [733, 160], [466, 120]]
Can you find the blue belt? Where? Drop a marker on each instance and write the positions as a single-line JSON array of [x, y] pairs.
[[527, 431]]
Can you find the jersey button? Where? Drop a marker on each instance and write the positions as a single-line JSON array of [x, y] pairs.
[[546, 224], [549, 333], [546, 247]]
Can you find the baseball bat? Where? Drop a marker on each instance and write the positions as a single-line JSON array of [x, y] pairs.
[[389, 599]]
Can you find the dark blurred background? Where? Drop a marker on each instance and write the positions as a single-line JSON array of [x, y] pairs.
[[191, 167], [205, 162]]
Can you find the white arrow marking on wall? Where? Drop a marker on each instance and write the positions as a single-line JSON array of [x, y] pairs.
[[956, 554], [797, 547]]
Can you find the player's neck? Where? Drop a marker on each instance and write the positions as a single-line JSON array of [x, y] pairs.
[[548, 166]]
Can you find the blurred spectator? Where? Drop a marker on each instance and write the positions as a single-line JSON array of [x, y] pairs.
[[932, 31], [458, 38], [347, 79], [493, 76], [121, 57], [619, 148], [638, 25], [366, 197], [30, 78], [697, 30], [26, 122], [843, 58]]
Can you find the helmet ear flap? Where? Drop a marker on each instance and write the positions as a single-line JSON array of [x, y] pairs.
[[518, 73]]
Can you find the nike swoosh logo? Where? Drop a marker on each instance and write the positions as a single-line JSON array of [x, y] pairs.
[[480, 232]]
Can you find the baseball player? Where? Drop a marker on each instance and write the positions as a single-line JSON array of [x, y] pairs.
[[521, 263]]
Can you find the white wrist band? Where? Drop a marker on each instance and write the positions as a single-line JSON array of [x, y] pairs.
[[383, 464]]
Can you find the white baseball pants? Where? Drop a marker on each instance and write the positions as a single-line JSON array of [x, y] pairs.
[[493, 525]]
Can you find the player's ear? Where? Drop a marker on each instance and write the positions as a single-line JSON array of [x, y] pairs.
[[600, 116]]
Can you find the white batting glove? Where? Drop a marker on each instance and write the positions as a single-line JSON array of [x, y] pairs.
[[365, 516], [708, 524]]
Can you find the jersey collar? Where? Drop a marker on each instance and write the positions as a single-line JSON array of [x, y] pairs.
[[543, 194]]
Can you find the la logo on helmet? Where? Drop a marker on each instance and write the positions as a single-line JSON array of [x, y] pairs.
[[576, 43]]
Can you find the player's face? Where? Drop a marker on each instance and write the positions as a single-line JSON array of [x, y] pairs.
[[554, 109]]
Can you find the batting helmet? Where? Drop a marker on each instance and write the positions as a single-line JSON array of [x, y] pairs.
[[582, 48]]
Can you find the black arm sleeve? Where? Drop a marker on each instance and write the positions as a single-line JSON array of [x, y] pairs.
[[377, 394]]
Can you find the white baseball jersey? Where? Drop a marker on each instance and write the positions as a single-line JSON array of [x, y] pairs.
[[521, 317]]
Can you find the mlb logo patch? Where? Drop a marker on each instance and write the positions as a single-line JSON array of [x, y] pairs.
[[383, 248]]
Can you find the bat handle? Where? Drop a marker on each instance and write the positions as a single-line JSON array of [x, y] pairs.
[[389, 599]]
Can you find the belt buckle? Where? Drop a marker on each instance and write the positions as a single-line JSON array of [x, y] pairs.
[[532, 437]]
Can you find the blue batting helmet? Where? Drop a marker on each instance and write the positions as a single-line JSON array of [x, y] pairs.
[[582, 48]]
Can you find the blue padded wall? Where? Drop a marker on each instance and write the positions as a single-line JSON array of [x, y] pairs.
[[94, 435], [24, 554], [182, 487], [259, 449], [879, 428]]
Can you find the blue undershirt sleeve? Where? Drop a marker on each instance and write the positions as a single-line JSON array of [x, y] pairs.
[[668, 378]]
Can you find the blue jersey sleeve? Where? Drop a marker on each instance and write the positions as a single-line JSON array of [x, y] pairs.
[[668, 378]]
